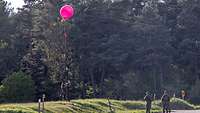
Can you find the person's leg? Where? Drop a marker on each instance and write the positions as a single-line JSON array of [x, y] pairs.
[[147, 110], [148, 107], [150, 110], [163, 110], [168, 110]]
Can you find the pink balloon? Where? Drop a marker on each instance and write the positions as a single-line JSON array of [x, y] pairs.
[[66, 12]]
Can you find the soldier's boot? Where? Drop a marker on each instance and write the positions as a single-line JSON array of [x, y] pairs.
[[168, 110], [148, 110]]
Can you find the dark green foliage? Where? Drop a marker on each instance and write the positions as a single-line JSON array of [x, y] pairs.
[[5, 51], [179, 104], [10, 111], [1, 94], [195, 100], [110, 49], [18, 87], [33, 65], [13, 45], [195, 92], [122, 51]]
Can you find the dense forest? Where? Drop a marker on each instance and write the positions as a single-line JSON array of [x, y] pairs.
[[110, 48]]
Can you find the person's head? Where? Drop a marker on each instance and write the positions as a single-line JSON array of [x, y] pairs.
[[147, 93], [165, 92]]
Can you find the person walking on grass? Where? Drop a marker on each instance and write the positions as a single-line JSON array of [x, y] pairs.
[[165, 102], [148, 100]]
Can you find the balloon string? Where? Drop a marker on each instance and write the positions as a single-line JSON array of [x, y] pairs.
[[65, 35], [64, 29]]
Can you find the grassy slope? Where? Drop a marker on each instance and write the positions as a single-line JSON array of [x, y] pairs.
[[178, 104], [78, 106], [90, 106], [198, 107]]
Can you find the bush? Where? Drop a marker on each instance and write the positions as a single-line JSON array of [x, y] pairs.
[[195, 92], [1, 94], [195, 100], [178, 104], [18, 88]]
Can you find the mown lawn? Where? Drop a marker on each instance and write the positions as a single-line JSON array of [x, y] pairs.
[[91, 106], [79, 106]]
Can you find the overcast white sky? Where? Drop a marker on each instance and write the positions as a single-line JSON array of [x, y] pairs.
[[16, 3]]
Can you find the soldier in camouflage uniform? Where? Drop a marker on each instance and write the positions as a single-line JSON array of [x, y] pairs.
[[148, 100], [165, 102]]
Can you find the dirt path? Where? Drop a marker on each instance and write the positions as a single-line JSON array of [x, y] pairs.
[[186, 111]]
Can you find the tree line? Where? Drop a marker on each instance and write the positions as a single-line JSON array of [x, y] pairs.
[[117, 49]]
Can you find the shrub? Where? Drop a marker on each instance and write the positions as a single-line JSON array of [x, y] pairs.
[[181, 104], [195, 92], [18, 87], [1, 94], [195, 100], [178, 104]]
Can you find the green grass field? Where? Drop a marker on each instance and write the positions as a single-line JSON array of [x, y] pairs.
[[90, 106], [79, 106]]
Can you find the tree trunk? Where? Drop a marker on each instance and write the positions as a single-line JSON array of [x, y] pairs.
[[154, 80], [83, 89], [161, 77], [102, 80], [93, 82]]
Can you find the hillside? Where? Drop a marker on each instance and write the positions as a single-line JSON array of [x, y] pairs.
[[91, 106], [79, 106]]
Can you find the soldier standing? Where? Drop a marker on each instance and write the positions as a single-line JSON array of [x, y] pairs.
[[165, 102], [148, 100], [183, 94]]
